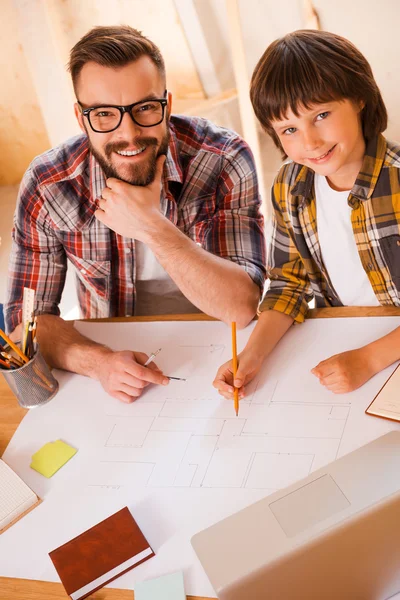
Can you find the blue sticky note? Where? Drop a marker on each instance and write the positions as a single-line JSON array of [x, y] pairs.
[[168, 587]]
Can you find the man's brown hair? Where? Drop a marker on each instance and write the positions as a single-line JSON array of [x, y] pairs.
[[112, 47], [310, 67]]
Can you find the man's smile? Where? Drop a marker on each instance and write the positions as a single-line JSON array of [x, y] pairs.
[[131, 152]]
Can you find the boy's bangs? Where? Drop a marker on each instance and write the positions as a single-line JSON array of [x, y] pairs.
[[302, 86], [308, 68]]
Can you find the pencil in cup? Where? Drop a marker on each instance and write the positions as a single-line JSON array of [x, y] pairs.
[[33, 383], [19, 352], [234, 369]]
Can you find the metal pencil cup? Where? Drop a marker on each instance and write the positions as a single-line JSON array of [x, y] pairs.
[[33, 383]]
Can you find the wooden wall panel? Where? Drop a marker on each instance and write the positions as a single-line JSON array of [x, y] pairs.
[[22, 131]]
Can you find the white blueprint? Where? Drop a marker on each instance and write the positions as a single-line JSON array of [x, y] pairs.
[[178, 457]]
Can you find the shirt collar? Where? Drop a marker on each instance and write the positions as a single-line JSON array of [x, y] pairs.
[[365, 183], [172, 168]]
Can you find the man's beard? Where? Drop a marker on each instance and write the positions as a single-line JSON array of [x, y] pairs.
[[141, 174]]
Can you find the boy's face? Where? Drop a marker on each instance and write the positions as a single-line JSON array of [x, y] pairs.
[[104, 86], [327, 138]]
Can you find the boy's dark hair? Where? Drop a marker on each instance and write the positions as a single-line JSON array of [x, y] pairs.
[[309, 67], [112, 47]]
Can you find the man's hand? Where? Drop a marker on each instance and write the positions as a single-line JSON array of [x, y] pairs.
[[130, 210], [248, 366], [124, 377], [347, 371]]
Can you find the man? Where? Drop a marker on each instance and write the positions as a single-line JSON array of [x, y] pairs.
[[156, 213]]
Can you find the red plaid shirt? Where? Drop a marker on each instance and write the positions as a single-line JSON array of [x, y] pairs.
[[210, 193]]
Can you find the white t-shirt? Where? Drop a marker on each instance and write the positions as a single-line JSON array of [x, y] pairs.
[[338, 246], [156, 292]]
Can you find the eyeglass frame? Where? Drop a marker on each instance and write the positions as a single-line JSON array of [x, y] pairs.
[[124, 109]]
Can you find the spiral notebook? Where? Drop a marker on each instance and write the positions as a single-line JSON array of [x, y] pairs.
[[386, 403], [16, 498]]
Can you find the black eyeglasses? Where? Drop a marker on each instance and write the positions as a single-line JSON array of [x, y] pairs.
[[148, 113]]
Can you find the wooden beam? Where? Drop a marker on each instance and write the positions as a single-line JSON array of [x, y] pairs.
[[198, 46], [249, 121], [49, 76], [311, 17]]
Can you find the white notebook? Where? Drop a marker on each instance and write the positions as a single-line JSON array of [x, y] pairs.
[[16, 498], [386, 403]]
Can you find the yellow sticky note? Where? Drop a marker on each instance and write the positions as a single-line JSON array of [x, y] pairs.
[[51, 457]]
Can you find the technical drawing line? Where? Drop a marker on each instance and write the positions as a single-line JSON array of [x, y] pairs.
[[248, 469], [341, 437], [114, 426], [311, 466], [209, 462], [182, 457], [301, 403]]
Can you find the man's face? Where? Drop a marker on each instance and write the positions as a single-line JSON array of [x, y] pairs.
[[104, 86]]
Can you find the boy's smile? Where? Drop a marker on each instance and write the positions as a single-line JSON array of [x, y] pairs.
[[327, 138], [324, 157]]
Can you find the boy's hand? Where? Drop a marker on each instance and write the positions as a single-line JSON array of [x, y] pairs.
[[345, 372], [248, 367]]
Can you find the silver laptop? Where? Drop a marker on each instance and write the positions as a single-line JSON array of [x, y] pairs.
[[332, 536]]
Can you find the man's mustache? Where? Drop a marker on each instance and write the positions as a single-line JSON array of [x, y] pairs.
[[143, 142]]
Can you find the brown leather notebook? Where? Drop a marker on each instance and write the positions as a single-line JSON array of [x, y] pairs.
[[100, 554]]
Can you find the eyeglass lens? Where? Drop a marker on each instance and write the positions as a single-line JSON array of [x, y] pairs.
[[106, 118]]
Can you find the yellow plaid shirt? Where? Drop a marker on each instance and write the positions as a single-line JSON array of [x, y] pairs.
[[295, 266]]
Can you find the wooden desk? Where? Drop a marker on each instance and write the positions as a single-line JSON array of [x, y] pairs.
[[11, 416]]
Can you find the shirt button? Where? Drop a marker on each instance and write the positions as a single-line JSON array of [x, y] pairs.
[[198, 244], [370, 266], [127, 250], [83, 271]]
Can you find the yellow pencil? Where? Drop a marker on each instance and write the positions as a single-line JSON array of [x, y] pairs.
[[14, 346], [234, 368]]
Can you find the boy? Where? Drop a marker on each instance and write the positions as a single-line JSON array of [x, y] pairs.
[[336, 222]]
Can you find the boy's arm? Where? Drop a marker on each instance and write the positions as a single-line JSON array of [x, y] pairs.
[[349, 370], [286, 301], [289, 289], [270, 328]]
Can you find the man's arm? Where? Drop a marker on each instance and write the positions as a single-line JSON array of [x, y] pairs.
[[38, 261], [219, 287], [37, 258], [224, 277], [121, 374]]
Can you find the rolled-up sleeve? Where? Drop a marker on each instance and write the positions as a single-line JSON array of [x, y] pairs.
[[37, 259], [289, 287], [236, 230]]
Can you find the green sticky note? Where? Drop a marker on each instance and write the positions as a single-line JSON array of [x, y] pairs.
[[168, 587], [51, 457]]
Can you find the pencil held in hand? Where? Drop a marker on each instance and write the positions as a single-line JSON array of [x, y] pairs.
[[234, 368]]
